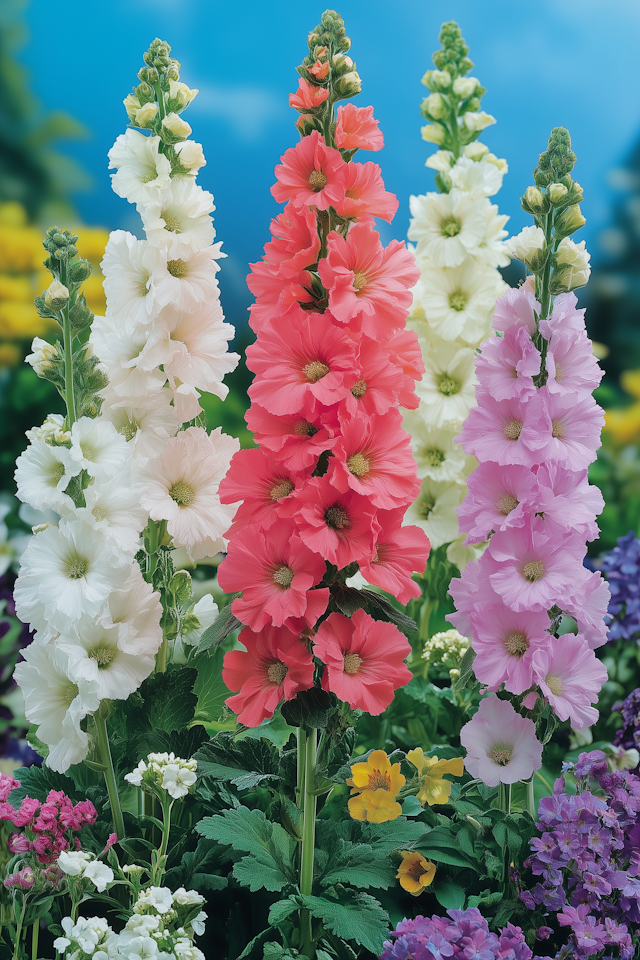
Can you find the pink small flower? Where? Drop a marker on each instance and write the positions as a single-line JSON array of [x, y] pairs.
[[516, 308], [111, 840], [498, 498], [504, 643], [297, 441], [364, 660], [576, 424], [507, 365], [376, 383], [24, 879], [400, 551], [365, 195], [571, 365], [339, 526], [296, 244], [308, 96], [571, 677], [311, 174], [506, 431], [23, 816], [564, 317], [264, 484], [567, 499], [7, 784], [275, 666], [357, 129], [501, 745]]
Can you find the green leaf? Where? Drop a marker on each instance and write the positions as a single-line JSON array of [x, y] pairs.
[[209, 687], [281, 910], [449, 894], [486, 899], [277, 730], [257, 941], [466, 669], [399, 834], [243, 762], [454, 859], [353, 863], [195, 868], [169, 700], [359, 918], [36, 782], [224, 624], [377, 604], [411, 807], [310, 708]]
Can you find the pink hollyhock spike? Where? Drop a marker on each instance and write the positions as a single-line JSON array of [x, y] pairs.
[[571, 365], [498, 498], [507, 365], [506, 431], [7, 784], [310, 174], [400, 551], [364, 660], [404, 350], [24, 879], [587, 604], [295, 440], [467, 591], [276, 573], [373, 457], [299, 366], [296, 243], [365, 196], [43, 847], [356, 129], [576, 424], [375, 385], [367, 281], [516, 308], [277, 296], [504, 643], [264, 484], [571, 677], [564, 317], [567, 499], [341, 527], [275, 666], [530, 570], [501, 746], [307, 96]]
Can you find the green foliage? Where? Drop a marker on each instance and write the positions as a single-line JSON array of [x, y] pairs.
[[557, 161], [355, 917], [244, 763], [209, 687], [224, 624]]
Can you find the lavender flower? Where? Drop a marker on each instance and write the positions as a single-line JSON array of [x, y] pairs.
[[629, 734], [621, 567]]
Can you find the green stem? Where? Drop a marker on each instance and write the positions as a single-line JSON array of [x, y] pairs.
[[504, 797], [427, 609], [302, 746], [16, 949], [166, 829], [69, 396], [35, 930], [161, 656], [307, 946], [109, 773], [545, 296], [529, 797], [545, 781]]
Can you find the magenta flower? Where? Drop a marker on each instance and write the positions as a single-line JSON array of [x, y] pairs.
[[501, 745], [570, 676]]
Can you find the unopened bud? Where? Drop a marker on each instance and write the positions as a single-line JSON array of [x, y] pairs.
[[175, 128], [42, 355], [433, 133], [434, 106], [181, 94], [349, 85], [146, 115], [535, 200], [557, 192], [305, 124], [56, 296], [132, 106], [572, 267], [570, 220], [437, 79], [191, 155], [79, 270], [476, 150], [464, 87], [475, 122]]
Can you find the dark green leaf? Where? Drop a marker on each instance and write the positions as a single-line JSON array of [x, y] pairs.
[[256, 942], [449, 894], [359, 918], [36, 782], [209, 687], [411, 807], [244, 762], [385, 610], [466, 669], [224, 624], [279, 911], [169, 700], [277, 730], [195, 869], [452, 857], [400, 834], [486, 898], [310, 708], [356, 864]]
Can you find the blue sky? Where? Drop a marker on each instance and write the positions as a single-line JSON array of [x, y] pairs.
[[573, 63]]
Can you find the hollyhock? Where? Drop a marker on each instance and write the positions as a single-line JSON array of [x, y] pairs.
[[264, 484], [587, 603], [398, 553], [566, 498], [436, 454], [293, 439], [310, 174], [498, 498], [276, 572], [448, 226], [308, 96], [141, 170], [99, 449], [364, 660], [277, 296], [341, 527], [43, 473], [571, 365], [564, 318], [135, 609], [357, 129], [365, 196], [570, 676], [404, 350], [274, 666], [507, 365], [128, 266], [123, 351], [501, 745], [576, 424], [178, 220], [114, 509], [295, 245], [188, 281], [478, 178], [146, 423], [517, 307], [505, 643], [458, 300], [447, 388], [507, 431], [99, 654], [434, 510], [377, 384]]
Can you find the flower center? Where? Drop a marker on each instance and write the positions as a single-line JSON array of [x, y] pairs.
[[304, 429], [450, 227], [87, 451], [559, 372], [359, 389], [68, 693], [281, 489], [554, 684], [283, 576], [358, 465], [533, 571], [99, 513], [557, 429], [359, 281], [56, 473], [129, 429], [516, 644], [501, 754], [77, 568], [415, 870], [425, 505], [506, 503], [148, 177], [315, 371], [352, 663], [178, 268], [448, 385], [336, 518], [103, 654], [277, 671], [183, 493], [172, 223], [317, 180], [433, 456], [378, 780], [458, 300], [143, 285], [513, 429]]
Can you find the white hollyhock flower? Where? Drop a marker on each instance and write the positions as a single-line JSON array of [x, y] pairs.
[[99, 449], [441, 160], [142, 171], [42, 352], [114, 509], [477, 178], [128, 266], [135, 609], [122, 349], [56, 702], [177, 779], [435, 510], [527, 244], [181, 487], [179, 220], [205, 611], [575, 259], [145, 422], [435, 452], [461, 554], [191, 155], [458, 301], [447, 389], [492, 249], [96, 655], [100, 875], [187, 282], [73, 862], [447, 226], [51, 430], [42, 474]]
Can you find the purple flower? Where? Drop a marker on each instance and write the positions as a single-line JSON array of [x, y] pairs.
[[622, 569]]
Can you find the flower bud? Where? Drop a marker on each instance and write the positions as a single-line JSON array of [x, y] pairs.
[[349, 85], [305, 124], [191, 155], [174, 128], [464, 87], [441, 160], [557, 192], [476, 122], [433, 133], [502, 165], [79, 270], [181, 94], [434, 106], [570, 220], [534, 201], [341, 64], [131, 105], [529, 246], [572, 267], [56, 296], [146, 115], [43, 354], [475, 151], [437, 79]]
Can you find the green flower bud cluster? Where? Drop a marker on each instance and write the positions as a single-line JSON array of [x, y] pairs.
[[447, 647], [453, 104]]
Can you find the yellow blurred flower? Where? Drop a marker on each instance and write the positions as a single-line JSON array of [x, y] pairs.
[[91, 243], [623, 423], [10, 355], [21, 321], [375, 785], [94, 293], [415, 873], [16, 287], [630, 382], [433, 789]]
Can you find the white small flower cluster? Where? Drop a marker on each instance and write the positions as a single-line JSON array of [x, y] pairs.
[[459, 246], [166, 772], [448, 645], [79, 863]]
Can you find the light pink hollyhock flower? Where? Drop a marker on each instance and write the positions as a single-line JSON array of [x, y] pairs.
[[310, 174], [374, 458], [576, 424], [567, 499], [276, 296], [529, 570], [296, 244], [264, 484], [571, 365], [181, 486], [501, 745], [367, 281], [341, 527], [467, 591], [507, 365], [275, 666], [356, 128], [506, 431], [365, 195], [516, 308], [364, 660], [295, 440], [375, 384], [498, 498], [405, 351], [564, 319], [588, 603], [297, 365], [400, 551], [571, 677], [505, 642], [276, 573]]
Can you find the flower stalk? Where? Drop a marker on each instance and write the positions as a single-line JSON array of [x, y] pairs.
[[307, 753], [99, 718], [69, 394]]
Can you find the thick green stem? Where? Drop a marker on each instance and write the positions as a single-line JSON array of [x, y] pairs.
[[425, 616], [16, 949], [161, 656], [529, 797], [504, 797], [35, 930], [307, 946], [109, 773], [166, 829], [69, 395], [545, 297]]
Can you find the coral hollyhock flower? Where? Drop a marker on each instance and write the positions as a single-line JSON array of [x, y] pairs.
[[507, 365], [275, 666], [365, 196], [276, 573], [292, 438], [308, 96], [498, 498], [433, 789], [506, 431], [296, 243], [364, 660], [576, 424], [367, 281], [375, 784], [415, 873], [571, 677], [377, 382], [404, 350], [501, 745], [399, 552], [310, 174], [264, 484], [505, 642], [341, 527], [276, 295], [356, 129], [373, 457]]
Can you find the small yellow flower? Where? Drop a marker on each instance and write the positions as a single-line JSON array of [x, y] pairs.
[[374, 806], [415, 873], [433, 788], [624, 423], [375, 785], [630, 382]]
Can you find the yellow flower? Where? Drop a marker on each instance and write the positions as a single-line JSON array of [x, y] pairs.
[[415, 873], [10, 356], [18, 319], [375, 785], [624, 423], [374, 806], [91, 243], [433, 788], [16, 288], [630, 382]]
